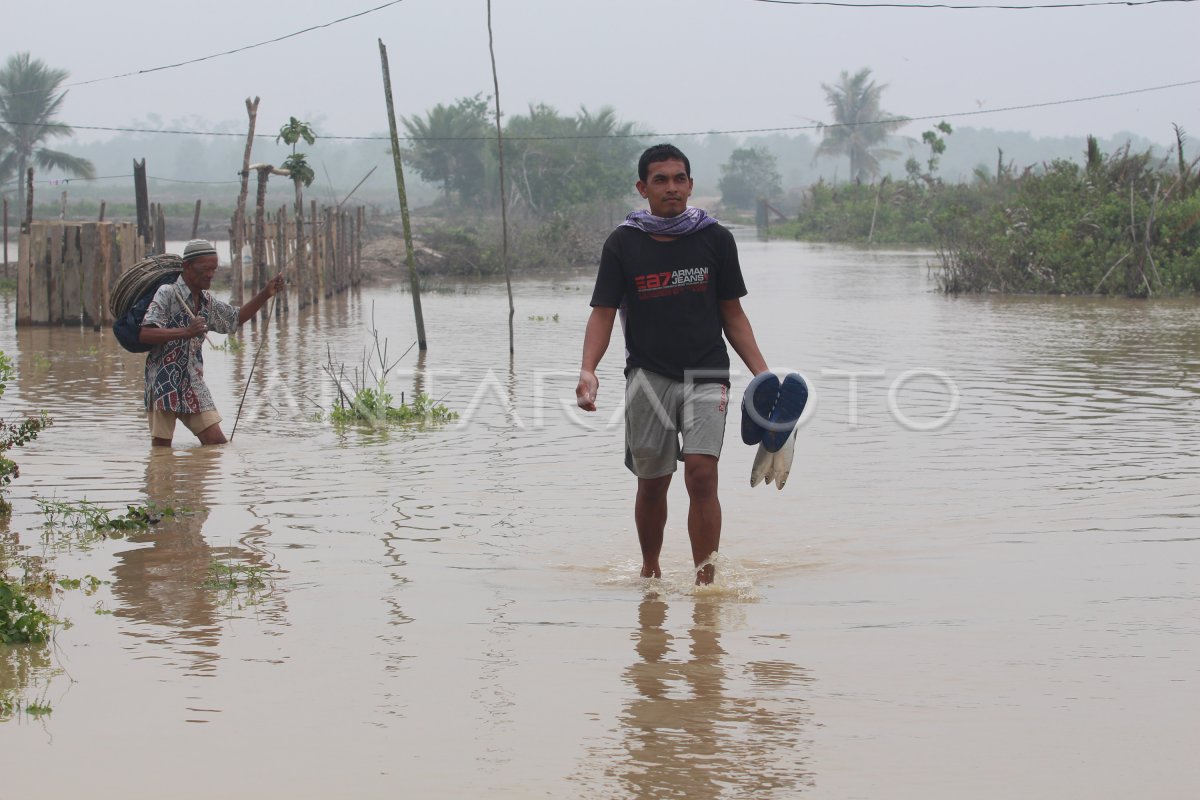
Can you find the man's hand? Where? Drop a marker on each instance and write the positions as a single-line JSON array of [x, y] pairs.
[[274, 285], [197, 328], [585, 392]]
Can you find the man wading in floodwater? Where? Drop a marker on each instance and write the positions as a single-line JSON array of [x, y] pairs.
[[179, 317], [674, 275]]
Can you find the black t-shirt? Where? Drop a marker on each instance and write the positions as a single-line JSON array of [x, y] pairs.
[[670, 293]]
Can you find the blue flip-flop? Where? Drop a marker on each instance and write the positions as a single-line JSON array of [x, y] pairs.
[[793, 395], [757, 404]]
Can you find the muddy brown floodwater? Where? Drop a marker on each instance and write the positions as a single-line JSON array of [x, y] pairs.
[[979, 582]]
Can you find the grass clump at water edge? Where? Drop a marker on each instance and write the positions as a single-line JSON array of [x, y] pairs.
[[22, 620]]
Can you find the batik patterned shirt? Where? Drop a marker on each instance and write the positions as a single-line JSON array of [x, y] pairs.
[[175, 369]]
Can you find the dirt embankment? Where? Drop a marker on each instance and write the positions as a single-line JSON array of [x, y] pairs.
[[468, 248]]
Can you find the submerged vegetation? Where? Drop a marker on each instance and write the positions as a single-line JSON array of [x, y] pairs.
[[363, 398], [22, 619], [374, 407], [86, 515], [14, 435]]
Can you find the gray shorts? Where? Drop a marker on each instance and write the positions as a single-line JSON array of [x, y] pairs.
[[659, 410]]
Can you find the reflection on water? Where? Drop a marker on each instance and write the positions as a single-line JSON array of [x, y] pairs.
[[25, 672], [166, 583], [697, 723]]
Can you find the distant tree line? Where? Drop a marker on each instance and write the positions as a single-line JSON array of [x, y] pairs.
[[555, 161], [1124, 223]]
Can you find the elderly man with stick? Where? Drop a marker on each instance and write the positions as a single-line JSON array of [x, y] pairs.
[[176, 324]]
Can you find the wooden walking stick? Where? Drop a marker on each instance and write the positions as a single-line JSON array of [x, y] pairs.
[[253, 363], [190, 313]]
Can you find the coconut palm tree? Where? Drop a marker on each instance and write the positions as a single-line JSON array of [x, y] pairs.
[[29, 102], [859, 124], [448, 146]]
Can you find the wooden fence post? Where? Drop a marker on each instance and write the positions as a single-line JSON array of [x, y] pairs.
[[281, 249], [89, 295], [24, 278], [196, 220], [142, 197], [160, 231], [330, 254], [54, 273], [70, 305], [317, 285], [260, 235]]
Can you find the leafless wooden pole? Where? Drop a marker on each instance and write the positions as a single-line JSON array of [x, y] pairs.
[[238, 240], [329, 260], [301, 300], [409, 256], [28, 201], [6, 237], [260, 233], [503, 195], [281, 255], [62, 207], [142, 195], [196, 220], [103, 204], [160, 230], [314, 286]]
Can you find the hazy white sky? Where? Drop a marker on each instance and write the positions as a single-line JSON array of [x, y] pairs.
[[673, 65]]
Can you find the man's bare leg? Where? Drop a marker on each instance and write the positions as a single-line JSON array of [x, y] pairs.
[[650, 515], [704, 513], [212, 435], [156, 441]]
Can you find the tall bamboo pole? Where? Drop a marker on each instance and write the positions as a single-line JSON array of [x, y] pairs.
[[409, 258], [5, 237], [503, 195], [196, 220]]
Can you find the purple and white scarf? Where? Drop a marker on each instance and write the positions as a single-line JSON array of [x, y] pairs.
[[690, 221]]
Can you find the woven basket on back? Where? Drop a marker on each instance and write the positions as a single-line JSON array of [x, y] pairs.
[[139, 279]]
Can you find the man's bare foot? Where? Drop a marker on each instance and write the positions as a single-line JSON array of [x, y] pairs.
[[706, 574], [651, 571]]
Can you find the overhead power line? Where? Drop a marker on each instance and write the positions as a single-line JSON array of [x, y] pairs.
[[778, 129], [210, 57], [825, 3], [971, 7], [59, 181]]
